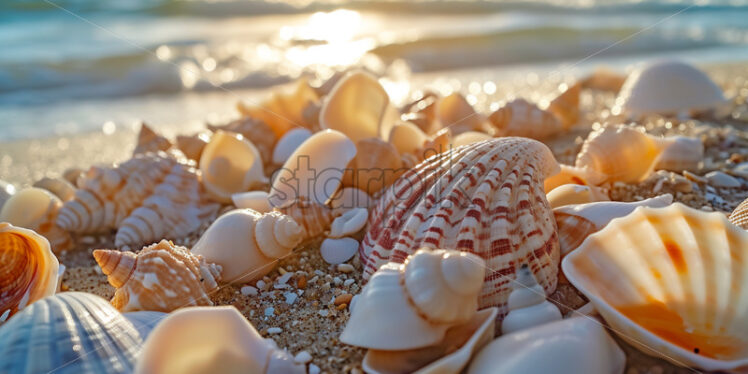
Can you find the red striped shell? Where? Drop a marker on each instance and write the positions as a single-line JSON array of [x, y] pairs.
[[486, 198]]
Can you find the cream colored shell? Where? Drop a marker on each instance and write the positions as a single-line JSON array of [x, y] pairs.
[[522, 118], [527, 304], [569, 194], [230, 164], [37, 209], [684, 153]]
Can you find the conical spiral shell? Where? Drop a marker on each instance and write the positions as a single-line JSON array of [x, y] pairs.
[[314, 218], [70, 332], [28, 268], [162, 277], [522, 118], [485, 198], [150, 141], [527, 304], [739, 216]]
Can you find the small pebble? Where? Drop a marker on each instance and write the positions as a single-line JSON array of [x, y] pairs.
[[720, 179], [345, 268], [337, 251], [290, 297], [260, 284], [343, 299], [275, 330], [303, 357], [283, 279], [337, 281], [314, 369], [349, 282], [270, 311], [324, 312], [301, 282], [249, 291]]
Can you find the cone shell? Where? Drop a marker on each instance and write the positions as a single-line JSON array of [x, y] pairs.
[[485, 198], [454, 112], [527, 304], [256, 132], [247, 244], [37, 209], [522, 118], [739, 216], [683, 154], [566, 105], [569, 194], [284, 110], [403, 307], [150, 141], [622, 153], [376, 166], [314, 218], [71, 332], [192, 145], [161, 277], [672, 282], [28, 269]]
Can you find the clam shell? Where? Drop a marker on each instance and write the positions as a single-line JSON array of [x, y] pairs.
[[71, 332], [739, 216], [672, 282], [407, 137], [230, 164], [37, 209], [349, 223], [288, 144], [522, 118], [338, 251], [486, 198], [683, 154]]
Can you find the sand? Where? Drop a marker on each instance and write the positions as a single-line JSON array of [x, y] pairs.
[[300, 311]]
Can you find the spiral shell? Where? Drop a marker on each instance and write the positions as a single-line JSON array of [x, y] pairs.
[[486, 198], [37, 209], [739, 216], [28, 269], [566, 105], [161, 277], [247, 244], [403, 305], [150, 141], [527, 304], [522, 118]]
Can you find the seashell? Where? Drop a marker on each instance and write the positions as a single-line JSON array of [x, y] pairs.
[[71, 332], [150, 141], [670, 281], [376, 166], [622, 153], [203, 340], [192, 145], [569, 194], [469, 137], [667, 87], [455, 113], [485, 198], [161, 277], [289, 143], [349, 223], [144, 321], [6, 191], [59, 187], [440, 142], [72, 174], [230, 164], [451, 355], [573, 175], [739, 216], [338, 251], [37, 209], [283, 111], [403, 305], [522, 118], [566, 105], [256, 132], [683, 154], [28, 269], [349, 198], [407, 137], [604, 79], [359, 107], [247, 244], [313, 218], [314, 171], [422, 112], [719, 179], [255, 200], [579, 221], [569, 346], [527, 304]]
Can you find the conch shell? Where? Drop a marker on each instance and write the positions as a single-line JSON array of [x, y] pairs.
[[247, 244], [566, 105], [376, 166], [569, 194], [28, 269], [739, 216], [522, 118], [486, 198], [254, 131], [37, 209], [204, 340], [577, 222], [672, 282], [527, 304], [403, 305], [161, 277], [150, 141], [284, 110], [622, 153], [230, 164], [683, 154]]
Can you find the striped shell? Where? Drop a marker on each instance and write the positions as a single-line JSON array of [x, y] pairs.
[[28, 269], [71, 332], [739, 216], [162, 277], [486, 198], [522, 118], [147, 198]]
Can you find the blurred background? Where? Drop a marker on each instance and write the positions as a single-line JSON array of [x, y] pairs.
[[71, 66]]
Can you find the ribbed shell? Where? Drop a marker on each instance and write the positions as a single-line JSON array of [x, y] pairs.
[[739, 216], [522, 118], [71, 332], [486, 198]]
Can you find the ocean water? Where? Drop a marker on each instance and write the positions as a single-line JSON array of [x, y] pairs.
[[70, 66]]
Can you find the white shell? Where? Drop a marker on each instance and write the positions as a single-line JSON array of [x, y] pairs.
[[719, 179], [571, 346], [230, 164], [314, 171], [349, 223], [527, 304], [255, 200], [676, 272], [683, 154], [338, 251], [469, 137], [288, 143], [407, 137], [668, 87], [206, 340], [569, 194]]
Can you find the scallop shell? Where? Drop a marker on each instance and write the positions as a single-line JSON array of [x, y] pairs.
[[247, 244], [485, 198], [604, 79], [402, 306], [230, 164], [59, 187], [256, 132], [150, 141], [359, 107], [71, 332], [203, 340], [454, 112], [569, 194], [376, 166], [672, 282], [288, 144], [284, 110], [622, 153], [522, 118], [28, 269], [161, 277], [451, 355], [570, 346], [566, 105], [314, 218], [527, 304], [739, 216], [668, 87], [192, 145], [578, 221], [37, 209], [683, 154]]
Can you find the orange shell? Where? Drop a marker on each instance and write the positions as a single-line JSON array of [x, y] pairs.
[[257, 132], [283, 110], [377, 165], [150, 141], [566, 106], [522, 118]]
